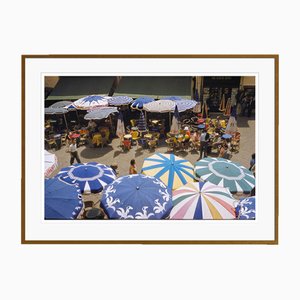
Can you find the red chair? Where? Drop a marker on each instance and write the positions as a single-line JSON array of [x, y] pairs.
[[126, 145]]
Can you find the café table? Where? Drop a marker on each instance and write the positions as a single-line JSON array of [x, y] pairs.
[[155, 122], [226, 136], [134, 128], [74, 135], [127, 136], [148, 136]]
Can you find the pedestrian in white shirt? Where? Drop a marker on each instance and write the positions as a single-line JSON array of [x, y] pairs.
[[73, 152]]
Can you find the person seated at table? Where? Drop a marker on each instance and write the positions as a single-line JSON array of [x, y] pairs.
[[186, 137], [216, 140], [195, 140], [223, 150], [92, 127]]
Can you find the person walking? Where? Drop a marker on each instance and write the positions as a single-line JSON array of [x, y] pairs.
[[73, 152], [204, 138], [252, 161], [132, 168]]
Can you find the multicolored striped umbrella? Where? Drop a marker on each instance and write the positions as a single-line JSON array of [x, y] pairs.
[[245, 209], [202, 200], [92, 177], [170, 169], [226, 173]]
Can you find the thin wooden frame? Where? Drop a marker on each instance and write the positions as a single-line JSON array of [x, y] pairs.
[[170, 242]]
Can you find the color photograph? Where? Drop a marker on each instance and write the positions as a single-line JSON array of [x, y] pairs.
[[149, 147]]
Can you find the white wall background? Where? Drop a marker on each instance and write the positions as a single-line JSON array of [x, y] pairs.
[[135, 271]]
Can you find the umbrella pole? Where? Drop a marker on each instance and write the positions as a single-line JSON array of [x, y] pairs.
[[66, 122], [77, 115], [170, 119]]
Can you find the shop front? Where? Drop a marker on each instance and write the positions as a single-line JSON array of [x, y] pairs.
[[215, 87]]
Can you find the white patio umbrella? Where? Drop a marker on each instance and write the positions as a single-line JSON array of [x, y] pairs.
[[160, 106], [50, 163], [120, 126]]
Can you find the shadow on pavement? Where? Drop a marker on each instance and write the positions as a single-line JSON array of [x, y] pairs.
[[95, 152], [243, 121]]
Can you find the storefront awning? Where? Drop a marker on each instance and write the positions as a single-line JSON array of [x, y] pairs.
[[154, 86], [75, 87]]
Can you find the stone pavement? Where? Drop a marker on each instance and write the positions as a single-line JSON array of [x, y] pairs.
[[113, 153]]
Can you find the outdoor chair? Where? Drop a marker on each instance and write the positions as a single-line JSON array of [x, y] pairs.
[[51, 143], [152, 143], [126, 145], [132, 122], [235, 143], [63, 138], [135, 136], [142, 143], [83, 139], [171, 144]]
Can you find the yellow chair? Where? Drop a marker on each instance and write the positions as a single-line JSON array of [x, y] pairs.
[[135, 136], [133, 123], [97, 140]]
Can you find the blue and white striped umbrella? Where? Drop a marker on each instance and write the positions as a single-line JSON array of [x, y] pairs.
[[62, 200], [92, 177], [119, 100], [226, 173], [184, 105], [245, 209], [139, 102], [137, 197], [170, 169], [100, 113], [91, 101], [141, 124]]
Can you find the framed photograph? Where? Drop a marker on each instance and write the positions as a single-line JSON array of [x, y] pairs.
[[150, 149]]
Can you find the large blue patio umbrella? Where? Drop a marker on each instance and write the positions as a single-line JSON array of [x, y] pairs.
[[245, 209], [226, 173], [137, 197], [119, 100], [138, 103], [92, 177], [62, 200]]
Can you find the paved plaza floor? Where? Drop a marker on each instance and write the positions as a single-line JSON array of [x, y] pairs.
[[113, 153]]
